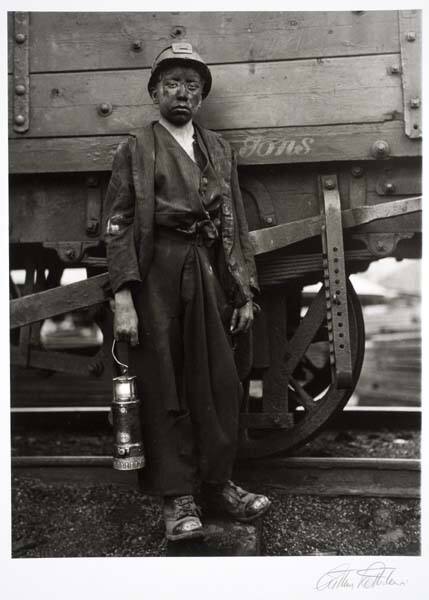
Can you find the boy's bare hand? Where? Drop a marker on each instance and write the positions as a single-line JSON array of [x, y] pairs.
[[125, 322], [242, 318]]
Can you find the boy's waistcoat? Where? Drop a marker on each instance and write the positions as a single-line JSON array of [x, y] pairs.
[[130, 204]]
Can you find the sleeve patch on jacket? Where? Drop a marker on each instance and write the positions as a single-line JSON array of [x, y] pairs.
[[115, 223]]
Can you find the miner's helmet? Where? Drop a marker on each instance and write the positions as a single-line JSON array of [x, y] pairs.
[[180, 52]]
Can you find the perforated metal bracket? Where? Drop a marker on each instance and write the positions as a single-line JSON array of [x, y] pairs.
[[410, 42], [335, 282], [21, 73]]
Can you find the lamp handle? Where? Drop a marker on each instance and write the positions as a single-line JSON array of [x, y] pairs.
[[123, 366]]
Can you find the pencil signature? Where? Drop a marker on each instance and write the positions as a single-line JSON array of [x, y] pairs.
[[377, 574]]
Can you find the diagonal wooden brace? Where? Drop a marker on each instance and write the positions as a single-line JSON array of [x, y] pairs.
[[59, 300], [285, 234]]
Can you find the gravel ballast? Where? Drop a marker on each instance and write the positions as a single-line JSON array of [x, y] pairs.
[[66, 520]]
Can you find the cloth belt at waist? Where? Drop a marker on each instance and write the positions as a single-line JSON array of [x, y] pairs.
[[203, 233]]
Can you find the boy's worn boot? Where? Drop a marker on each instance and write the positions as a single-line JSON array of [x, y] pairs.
[[234, 501], [182, 518]]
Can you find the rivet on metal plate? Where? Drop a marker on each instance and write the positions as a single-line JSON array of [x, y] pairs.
[[357, 171]]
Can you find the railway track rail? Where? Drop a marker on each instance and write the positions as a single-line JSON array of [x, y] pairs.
[[353, 417], [387, 477], [383, 477]]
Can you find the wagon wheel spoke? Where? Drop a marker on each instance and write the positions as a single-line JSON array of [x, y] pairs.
[[304, 399], [319, 397], [307, 366], [306, 331]]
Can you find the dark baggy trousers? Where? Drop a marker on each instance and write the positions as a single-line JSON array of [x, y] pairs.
[[185, 370]]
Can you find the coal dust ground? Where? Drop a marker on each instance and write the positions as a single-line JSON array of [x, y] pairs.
[[56, 519]]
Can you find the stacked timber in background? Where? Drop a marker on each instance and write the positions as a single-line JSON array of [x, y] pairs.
[[391, 372]]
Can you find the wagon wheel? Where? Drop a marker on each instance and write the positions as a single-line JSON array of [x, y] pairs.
[[314, 371], [313, 410]]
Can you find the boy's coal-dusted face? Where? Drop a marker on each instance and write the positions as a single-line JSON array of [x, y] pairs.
[[178, 94]]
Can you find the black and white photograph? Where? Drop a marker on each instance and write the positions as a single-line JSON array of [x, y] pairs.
[[214, 256]]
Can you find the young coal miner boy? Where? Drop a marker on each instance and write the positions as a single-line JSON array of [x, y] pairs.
[[182, 273]]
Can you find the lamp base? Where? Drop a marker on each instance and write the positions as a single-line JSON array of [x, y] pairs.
[[130, 463]]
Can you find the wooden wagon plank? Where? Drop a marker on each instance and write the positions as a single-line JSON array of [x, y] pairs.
[[49, 211], [254, 147], [62, 155], [102, 40], [273, 94]]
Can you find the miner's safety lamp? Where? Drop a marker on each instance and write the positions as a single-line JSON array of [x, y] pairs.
[[128, 453]]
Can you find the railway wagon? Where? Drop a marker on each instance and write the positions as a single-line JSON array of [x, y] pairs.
[[323, 110]]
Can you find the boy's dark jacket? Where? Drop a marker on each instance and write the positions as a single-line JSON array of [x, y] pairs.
[[129, 215]]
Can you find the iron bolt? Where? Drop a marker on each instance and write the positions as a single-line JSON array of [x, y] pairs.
[[329, 184], [394, 69], [92, 228], [388, 188], [411, 36], [70, 253], [357, 171], [105, 108], [92, 181], [19, 119], [137, 45], [269, 220], [380, 245], [20, 89], [20, 38], [415, 102], [177, 31], [380, 148]]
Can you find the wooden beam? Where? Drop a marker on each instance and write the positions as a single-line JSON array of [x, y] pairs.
[[73, 41], [247, 95], [63, 362], [370, 477], [279, 145], [62, 155], [335, 476], [36, 307]]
